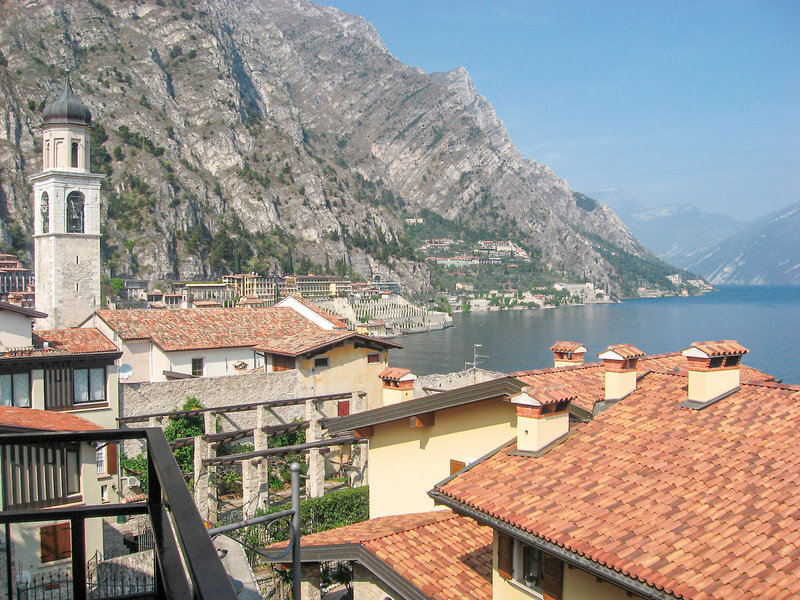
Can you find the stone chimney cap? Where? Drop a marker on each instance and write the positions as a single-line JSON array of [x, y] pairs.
[[717, 348], [543, 396], [621, 352], [567, 347], [397, 374]]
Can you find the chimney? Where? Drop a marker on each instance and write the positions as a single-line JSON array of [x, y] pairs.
[[542, 416], [567, 354], [619, 362], [713, 369], [398, 385]]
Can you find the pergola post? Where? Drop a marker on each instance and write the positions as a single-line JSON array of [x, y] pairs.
[[315, 483]]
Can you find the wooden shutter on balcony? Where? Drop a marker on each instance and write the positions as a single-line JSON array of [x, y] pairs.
[[111, 458], [504, 555], [552, 582]]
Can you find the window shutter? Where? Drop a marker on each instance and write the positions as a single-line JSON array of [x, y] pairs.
[[552, 582], [456, 466], [504, 543], [343, 407], [64, 542], [111, 459], [47, 543]]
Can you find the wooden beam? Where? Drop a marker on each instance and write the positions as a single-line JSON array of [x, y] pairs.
[[423, 420], [364, 432]]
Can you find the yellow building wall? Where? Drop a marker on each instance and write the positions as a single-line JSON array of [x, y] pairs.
[[347, 371], [405, 462]]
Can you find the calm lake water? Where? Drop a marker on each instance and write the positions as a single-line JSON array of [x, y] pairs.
[[765, 319]]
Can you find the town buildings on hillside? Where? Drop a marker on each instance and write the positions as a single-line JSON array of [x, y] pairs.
[[55, 380], [666, 476]]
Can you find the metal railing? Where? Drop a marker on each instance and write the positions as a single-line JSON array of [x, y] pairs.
[[186, 565]]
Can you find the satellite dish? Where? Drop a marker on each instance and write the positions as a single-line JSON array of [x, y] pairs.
[[125, 371]]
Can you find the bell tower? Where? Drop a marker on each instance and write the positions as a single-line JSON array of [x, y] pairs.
[[66, 200]]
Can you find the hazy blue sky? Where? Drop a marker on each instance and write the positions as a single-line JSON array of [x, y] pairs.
[[668, 102]]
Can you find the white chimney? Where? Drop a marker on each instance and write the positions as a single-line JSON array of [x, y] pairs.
[[619, 362], [398, 385], [567, 354], [542, 416], [713, 369]]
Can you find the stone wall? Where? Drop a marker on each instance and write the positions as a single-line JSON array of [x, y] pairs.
[[450, 381], [213, 392]]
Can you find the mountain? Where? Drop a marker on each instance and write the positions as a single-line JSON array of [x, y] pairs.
[[764, 252], [677, 233], [280, 134]]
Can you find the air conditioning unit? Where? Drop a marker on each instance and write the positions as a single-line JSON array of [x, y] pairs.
[[134, 482]]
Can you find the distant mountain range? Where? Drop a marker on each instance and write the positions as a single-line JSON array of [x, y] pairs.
[[279, 135], [764, 252], [715, 246]]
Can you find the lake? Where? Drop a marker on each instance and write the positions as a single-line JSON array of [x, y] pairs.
[[765, 319]]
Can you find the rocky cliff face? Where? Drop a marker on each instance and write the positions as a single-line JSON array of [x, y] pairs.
[[239, 133]]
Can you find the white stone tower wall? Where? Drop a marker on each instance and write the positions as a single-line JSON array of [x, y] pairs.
[[57, 148]]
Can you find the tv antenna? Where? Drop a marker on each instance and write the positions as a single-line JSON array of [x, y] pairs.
[[475, 356]]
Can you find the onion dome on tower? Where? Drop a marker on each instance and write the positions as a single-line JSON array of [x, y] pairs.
[[66, 109]]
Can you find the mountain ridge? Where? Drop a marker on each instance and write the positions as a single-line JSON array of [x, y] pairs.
[[249, 135]]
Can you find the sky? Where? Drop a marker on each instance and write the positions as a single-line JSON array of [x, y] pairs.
[[671, 102]]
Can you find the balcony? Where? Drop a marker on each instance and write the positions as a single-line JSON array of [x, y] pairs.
[[186, 565]]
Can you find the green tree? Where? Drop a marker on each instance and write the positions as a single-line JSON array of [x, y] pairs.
[[117, 285]]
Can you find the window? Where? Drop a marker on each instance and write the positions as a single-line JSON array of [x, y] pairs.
[[74, 162], [530, 567], [15, 390], [197, 367], [373, 358], [45, 212], [107, 459], [55, 542], [66, 387], [75, 212], [89, 385], [321, 363]]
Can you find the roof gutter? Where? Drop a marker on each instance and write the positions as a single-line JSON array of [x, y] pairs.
[[571, 558]]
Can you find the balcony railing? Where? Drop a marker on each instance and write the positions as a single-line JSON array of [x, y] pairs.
[[186, 564]]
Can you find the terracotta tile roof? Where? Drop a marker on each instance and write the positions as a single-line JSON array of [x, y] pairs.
[[45, 420], [551, 395], [565, 347], [720, 348], [704, 502], [275, 329], [394, 373], [625, 351], [445, 556], [75, 341], [587, 381]]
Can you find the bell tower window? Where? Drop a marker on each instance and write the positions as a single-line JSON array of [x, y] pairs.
[[75, 219], [45, 210], [74, 160]]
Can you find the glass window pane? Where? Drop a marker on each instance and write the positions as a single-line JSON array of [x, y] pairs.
[[5, 390], [73, 472], [22, 390], [101, 460], [81, 385], [97, 381]]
